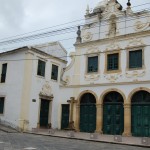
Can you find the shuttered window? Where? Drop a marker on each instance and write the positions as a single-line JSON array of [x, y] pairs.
[[112, 61], [41, 68], [54, 73], [92, 64], [3, 75], [1, 105], [135, 59]]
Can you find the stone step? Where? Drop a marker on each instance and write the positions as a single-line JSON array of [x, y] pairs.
[[7, 129]]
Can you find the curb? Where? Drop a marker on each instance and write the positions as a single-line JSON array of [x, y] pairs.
[[84, 139]]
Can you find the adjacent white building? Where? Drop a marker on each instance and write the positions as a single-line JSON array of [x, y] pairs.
[[30, 78]]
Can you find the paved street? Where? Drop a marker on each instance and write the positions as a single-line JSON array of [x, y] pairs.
[[18, 141]]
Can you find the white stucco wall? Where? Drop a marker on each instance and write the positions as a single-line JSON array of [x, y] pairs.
[[36, 88], [12, 88], [96, 41]]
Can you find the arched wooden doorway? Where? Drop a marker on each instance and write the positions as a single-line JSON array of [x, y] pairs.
[[113, 114], [88, 113], [140, 114]]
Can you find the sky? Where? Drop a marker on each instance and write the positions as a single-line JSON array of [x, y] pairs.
[[23, 16]]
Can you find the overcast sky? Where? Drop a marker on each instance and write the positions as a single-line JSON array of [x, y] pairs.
[[21, 16]]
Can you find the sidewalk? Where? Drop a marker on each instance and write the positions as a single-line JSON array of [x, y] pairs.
[[134, 141]]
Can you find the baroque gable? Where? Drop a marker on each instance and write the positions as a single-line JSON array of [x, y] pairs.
[[112, 8]]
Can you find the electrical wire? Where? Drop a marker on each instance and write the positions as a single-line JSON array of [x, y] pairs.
[[44, 35], [92, 34], [59, 25], [76, 55]]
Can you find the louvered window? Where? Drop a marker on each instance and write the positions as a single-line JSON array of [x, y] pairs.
[[135, 59], [1, 105], [112, 61], [3, 75], [92, 64], [54, 73], [41, 68]]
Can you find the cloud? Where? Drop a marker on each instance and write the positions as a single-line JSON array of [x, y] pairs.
[[21, 16], [11, 15]]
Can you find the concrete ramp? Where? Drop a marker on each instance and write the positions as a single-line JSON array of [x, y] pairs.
[[7, 129]]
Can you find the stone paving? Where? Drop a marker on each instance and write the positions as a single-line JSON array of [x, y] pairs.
[[22, 141]]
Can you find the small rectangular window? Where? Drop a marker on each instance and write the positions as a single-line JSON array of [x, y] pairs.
[[54, 73], [3, 75], [92, 64], [41, 68], [135, 59], [112, 61], [1, 105]]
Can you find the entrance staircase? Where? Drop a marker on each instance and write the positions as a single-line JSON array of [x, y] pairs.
[[8, 127]]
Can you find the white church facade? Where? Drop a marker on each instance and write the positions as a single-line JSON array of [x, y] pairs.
[[104, 89], [108, 79]]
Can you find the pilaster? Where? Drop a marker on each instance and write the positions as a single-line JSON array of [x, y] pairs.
[[127, 120], [99, 118]]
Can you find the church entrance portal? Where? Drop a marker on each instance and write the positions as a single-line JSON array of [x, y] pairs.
[[88, 113], [113, 114], [44, 113], [140, 114]]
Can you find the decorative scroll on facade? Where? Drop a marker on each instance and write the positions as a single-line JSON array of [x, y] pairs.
[[46, 91]]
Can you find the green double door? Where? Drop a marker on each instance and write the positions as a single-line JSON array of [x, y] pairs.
[[113, 118], [87, 118], [44, 112], [140, 120], [88, 113], [65, 116], [140, 114], [113, 114]]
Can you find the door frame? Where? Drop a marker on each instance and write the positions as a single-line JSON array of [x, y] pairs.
[[61, 115], [77, 120], [50, 108]]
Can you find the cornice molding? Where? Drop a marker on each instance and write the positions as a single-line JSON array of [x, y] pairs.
[[106, 84], [119, 38]]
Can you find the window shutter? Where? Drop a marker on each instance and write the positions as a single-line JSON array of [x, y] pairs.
[[3, 75], [92, 64], [112, 61], [1, 105], [41, 68], [135, 59], [54, 73]]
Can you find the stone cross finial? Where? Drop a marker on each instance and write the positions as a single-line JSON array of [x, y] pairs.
[[71, 122], [87, 10], [128, 3], [78, 39]]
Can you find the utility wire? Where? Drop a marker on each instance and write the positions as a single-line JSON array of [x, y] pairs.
[[42, 35], [58, 25], [92, 34], [76, 55], [53, 33], [70, 39]]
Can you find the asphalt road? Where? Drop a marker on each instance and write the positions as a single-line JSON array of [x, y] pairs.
[[19, 141]]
